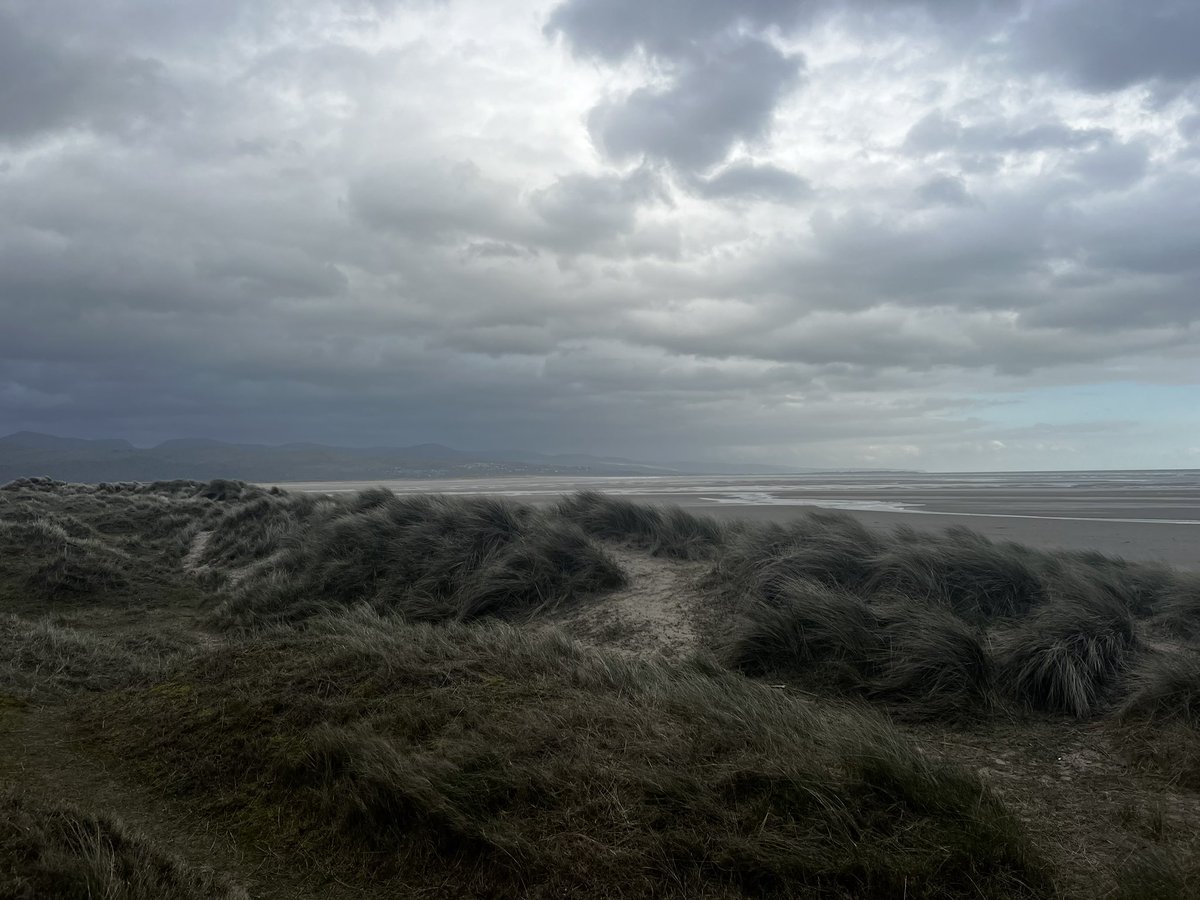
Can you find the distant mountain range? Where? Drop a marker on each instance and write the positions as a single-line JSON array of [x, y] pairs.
[[28, 453]]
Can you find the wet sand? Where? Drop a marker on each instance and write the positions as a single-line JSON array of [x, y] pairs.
[[1144, 516]]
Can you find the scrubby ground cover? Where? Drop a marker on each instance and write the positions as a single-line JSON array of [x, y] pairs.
[[51, 850], [392, 696]]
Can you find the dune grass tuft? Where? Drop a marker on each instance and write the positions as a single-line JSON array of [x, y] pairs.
[[933, 662], [1068, 657], [41, 659], [423, 558], [55, 851], [668, 531], [1158, 723]]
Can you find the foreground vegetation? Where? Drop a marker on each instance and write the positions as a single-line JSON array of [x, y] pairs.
[[361, 689]]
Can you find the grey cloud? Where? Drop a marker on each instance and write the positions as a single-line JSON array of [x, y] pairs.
[[315, 243], [454, 202], [1189, 126], [583, 210], [1107, 45], [436, 202], [44, 87], [937, 132], [275, 273], [612, 29], [753, 181], [945, 190], [498, 250], [1113, 166], [727, 95]]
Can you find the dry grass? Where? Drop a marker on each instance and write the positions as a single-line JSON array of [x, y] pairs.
[[53, 851], [497, 763]]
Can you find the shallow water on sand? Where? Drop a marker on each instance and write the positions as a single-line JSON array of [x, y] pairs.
[[1146, 515]]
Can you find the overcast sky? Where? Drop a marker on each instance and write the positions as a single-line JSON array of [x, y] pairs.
[[942, 234]]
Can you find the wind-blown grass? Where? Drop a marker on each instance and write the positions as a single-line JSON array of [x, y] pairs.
[[1159, 718], [668, 531], [55, 851], [499, 763], [943, 622], [933, 661], [811, 630], [1067, 657], [41, 659], [915, 654], [423, 558]]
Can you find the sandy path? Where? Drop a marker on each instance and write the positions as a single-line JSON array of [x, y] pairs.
[[657, 614], [191, 560]]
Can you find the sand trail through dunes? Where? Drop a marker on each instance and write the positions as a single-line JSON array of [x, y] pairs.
[[191, 560], [662, 611]]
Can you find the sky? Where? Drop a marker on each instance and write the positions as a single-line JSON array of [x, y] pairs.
[[933, 234]]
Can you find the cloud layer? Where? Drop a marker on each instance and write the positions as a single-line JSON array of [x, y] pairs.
[[945, 235]]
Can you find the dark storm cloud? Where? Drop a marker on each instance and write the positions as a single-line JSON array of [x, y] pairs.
[[727, 94], [378, 222]]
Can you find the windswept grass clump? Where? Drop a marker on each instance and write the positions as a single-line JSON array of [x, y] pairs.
[[1159, 720], [1179, 610], [41, 659], [425, 558], [244, 534], [933, 661], [947, 621], [80, 544], [831, 548], [668, 531], [496, 763], [1165, 688], [976, 578], [808, 629], [50, 558], [55, 851], [980, 580], [914, 654], [1067, 657]]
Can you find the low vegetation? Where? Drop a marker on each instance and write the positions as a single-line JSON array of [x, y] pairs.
[[40, 659], [424, 558], [52, 851], [943, 622], [499, 763], [364, 688]]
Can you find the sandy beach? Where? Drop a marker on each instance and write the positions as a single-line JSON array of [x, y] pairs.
[[1144, 516]]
